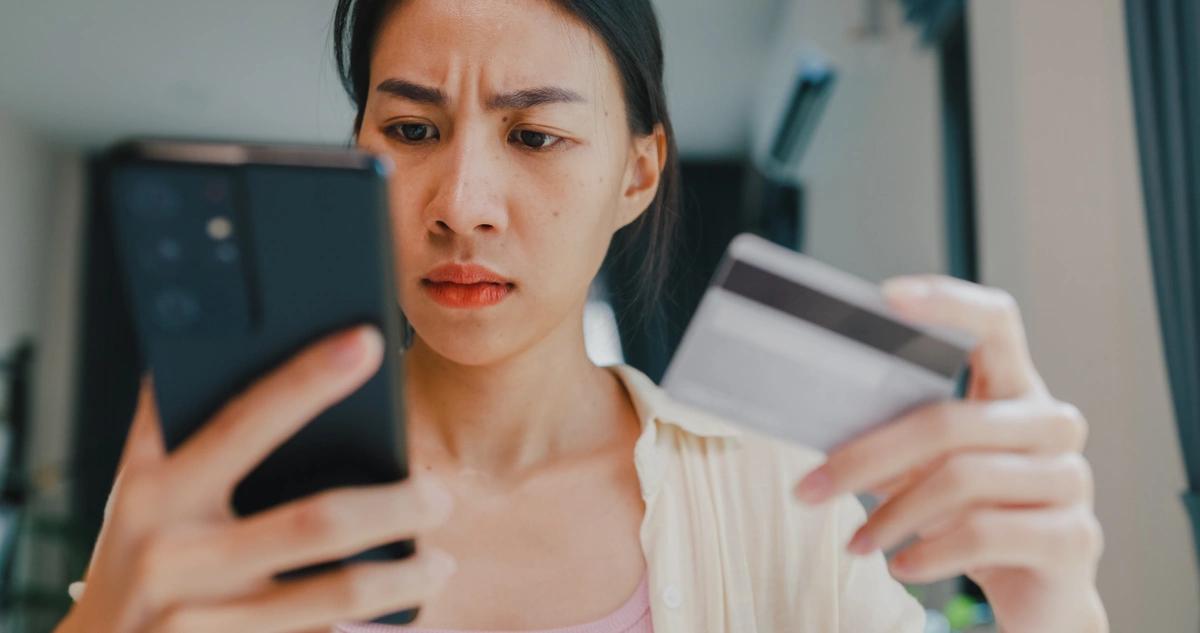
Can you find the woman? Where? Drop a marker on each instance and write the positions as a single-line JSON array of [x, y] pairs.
[[526, 133]]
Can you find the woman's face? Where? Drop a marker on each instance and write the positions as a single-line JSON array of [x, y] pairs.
[[508, 129]]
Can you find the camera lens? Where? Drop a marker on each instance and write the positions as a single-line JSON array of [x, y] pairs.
[[176, 309], [160, 255], [168, 250], [226, 253]]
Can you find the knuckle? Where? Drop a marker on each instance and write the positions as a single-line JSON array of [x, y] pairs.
[[362, 588], [432, 504], [318, 518], [977, 531], [1073, 426], [956, 475], [1078, 481], [1092, 538], [1068, 539], [1005, 307]]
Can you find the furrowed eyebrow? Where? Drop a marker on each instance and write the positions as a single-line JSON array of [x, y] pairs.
[[533, 97], [517, 100], [411, 91]]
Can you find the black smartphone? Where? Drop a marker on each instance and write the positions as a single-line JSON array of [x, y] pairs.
[[235, 257]]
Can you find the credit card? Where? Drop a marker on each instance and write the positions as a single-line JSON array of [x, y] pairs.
[[797, 349]]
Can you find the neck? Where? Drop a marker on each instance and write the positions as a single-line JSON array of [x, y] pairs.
[[503, 418]]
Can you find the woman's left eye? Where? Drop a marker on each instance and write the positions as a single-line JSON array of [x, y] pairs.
[[534, 140]]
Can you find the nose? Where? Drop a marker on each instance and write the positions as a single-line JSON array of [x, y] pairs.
[[469, 198]]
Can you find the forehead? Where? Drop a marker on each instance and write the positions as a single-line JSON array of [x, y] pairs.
[[508, 44]]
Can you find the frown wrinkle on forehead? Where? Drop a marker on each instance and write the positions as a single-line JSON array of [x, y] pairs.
[[508, 45]]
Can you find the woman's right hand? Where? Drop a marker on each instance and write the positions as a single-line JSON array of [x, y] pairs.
[[173, 557]]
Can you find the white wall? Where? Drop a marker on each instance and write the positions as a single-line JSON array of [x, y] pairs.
[[58, 298], [41, 207], [24, 186], [873, 174], [41, 211], [1062, 228]]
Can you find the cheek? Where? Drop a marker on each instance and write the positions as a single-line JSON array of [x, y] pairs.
[[568, 212]]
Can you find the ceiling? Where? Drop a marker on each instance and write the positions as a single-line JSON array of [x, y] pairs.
[[84, 72]]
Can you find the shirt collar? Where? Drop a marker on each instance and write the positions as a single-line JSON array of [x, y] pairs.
[[654, 405]]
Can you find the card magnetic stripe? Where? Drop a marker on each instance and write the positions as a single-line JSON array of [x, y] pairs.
[[845, 319]]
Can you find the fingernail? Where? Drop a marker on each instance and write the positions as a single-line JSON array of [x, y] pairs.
[[441, 564], [814, 487], [350, 348], [860, 544], [906, 288]]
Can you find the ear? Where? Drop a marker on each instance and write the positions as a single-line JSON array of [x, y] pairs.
[[643, 173]]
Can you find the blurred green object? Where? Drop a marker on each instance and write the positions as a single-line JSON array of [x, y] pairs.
[[960, 611], [965, 613]]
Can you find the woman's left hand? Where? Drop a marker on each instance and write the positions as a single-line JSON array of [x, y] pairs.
[[994, 486]]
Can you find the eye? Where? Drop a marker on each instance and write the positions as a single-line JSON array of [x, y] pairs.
[[412, 132], [533, 140]]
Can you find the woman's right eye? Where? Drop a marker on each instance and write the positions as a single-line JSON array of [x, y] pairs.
[[412, 132]]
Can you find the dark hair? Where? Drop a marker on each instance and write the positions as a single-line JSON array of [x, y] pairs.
[[630, 30]]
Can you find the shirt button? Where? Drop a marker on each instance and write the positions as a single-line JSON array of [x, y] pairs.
[[672, 596]]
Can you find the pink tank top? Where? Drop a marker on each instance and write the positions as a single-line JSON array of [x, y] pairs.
[[631, 617]]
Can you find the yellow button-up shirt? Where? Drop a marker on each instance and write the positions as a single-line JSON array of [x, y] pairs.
[[729, 549]]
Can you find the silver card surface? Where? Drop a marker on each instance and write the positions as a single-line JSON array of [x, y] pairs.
[[797, 349]]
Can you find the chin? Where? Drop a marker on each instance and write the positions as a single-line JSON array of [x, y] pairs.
[[469, 337], [464, 348]]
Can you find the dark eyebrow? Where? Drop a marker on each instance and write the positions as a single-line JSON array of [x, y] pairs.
[[518, 100], [533, 97], [411, 91]]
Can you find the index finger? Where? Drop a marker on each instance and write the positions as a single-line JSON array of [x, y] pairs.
[[928, 433], [1001, 362]]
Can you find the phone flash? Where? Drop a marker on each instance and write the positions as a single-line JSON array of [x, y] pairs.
[[220, 228]]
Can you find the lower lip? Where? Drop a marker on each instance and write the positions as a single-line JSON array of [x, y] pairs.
[[478, 295]]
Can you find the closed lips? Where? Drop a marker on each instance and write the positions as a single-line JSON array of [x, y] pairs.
[[466, 286], [465, 274]]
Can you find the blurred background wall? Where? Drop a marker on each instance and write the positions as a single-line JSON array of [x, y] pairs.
[[1059, 200], [1062, 228]]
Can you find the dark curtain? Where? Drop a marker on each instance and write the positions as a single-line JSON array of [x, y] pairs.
[[934, 17], [1164, 45], [943, 27]]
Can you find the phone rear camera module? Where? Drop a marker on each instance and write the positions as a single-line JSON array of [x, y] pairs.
[[219, 228], [154, 200], [161, 256], [168, 250], [176, 310], [226, 252]]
